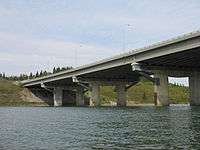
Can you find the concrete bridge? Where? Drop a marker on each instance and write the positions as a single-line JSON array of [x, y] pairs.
[[177, 57]]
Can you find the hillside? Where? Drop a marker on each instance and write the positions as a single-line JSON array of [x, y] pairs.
[[12, 94], [143, 92]]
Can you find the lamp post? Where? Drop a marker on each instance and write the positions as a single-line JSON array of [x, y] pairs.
[[127, 26], [76, 55]]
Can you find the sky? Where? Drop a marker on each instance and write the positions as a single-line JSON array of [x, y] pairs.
[[40, 34]]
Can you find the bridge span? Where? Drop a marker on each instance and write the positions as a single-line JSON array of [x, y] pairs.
[[177, 57]]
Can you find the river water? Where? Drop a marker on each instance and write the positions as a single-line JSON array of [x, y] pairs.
[[26, 128]]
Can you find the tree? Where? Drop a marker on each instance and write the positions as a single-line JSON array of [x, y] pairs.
[[68, 68], [31, 76], [4, 75], [20, 77], [58, 69], [45, 73], [54, 70], [37, 74], [24, 77], [63, 68], [41, 73]]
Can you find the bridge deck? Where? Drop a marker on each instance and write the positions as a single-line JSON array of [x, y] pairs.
[[182, 51]]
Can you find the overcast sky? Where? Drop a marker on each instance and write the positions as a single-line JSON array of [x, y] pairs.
[[40, 34]]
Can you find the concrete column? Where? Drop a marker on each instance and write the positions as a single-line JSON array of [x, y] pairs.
[[95, 94], [121, 94], [161, 92], [194, 85], [80, 96], [58, 96]]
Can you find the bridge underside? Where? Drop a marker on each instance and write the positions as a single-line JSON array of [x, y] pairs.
[[181, 64], [119, 76], [185, 60], [122, 73]]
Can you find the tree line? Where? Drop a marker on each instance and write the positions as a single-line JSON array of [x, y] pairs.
[[33, 75]]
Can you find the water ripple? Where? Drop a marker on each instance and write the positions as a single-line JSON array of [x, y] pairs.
[[99, 128]]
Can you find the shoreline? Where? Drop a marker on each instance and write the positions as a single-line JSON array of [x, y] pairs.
[[38, 104]]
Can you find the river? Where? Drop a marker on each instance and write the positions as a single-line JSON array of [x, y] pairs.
[[74, 128]]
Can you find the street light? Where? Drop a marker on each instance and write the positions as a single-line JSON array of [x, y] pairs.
[[127, 26], [76, 55]]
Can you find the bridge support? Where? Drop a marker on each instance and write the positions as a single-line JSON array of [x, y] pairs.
[[121, 94], [161, 93], [95, 94], [80, 96], [194, 85], [58, 96]]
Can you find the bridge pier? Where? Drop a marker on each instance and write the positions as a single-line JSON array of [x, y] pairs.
[[58, 96], [121, 94], [194, 86], [80, 96], [95, 94], [161, 93]]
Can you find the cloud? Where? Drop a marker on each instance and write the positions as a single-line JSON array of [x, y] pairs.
[[30, 54]]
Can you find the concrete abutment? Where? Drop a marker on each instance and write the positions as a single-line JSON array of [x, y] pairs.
[[68, 96], [161, 91], [58, 96], [95, 94], [80, 96], [121, 94], [194, 86]]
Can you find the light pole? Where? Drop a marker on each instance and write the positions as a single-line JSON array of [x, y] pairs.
[[127, 26], [76, 55]]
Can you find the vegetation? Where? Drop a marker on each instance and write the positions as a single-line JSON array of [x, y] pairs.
[[10, 95], [10, 90], [143, 92], [178, 94], [32, 75]]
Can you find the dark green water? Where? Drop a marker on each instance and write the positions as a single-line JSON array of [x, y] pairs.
[[176, 127]]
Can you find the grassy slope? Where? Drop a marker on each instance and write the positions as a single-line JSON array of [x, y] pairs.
[[10, 95], [141, 93]]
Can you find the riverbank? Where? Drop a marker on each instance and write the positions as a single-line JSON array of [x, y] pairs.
[[13, 94]]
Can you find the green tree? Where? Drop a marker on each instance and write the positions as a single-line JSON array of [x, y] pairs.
[[63, 69], [37, 74], [4, 75], [31, 76], [54, 70], [41, 73], [45, 73], [58, 69]]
